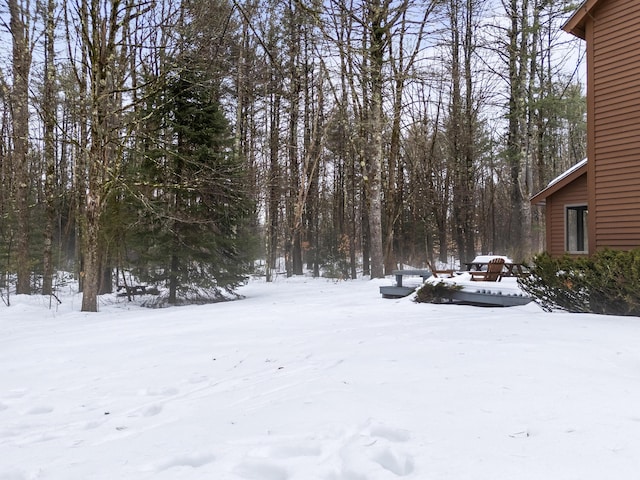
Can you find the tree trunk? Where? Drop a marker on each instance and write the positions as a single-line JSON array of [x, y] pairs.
[[90, 247], [49, 117], [273, 187], [374, 170], [517, 36], [294, 207], [173, 280], [461, 134], [469, 141], [364, 233], [21, 63], [103, 51]]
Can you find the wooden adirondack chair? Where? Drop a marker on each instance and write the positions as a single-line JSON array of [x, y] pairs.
[[493, 272], [446, 273]]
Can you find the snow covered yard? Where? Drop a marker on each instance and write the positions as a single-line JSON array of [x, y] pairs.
[[313, 379]]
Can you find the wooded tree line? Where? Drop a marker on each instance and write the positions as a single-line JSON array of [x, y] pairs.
[[179, 141]]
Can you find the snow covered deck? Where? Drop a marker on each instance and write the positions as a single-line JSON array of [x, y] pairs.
[[505, 293], [400, 289]]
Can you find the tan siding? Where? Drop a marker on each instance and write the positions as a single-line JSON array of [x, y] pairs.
[[615, 90]]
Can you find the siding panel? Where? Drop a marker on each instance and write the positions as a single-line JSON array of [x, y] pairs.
[[617, 94], [619, 59], [615, 90], [611, 113], [614, 14]]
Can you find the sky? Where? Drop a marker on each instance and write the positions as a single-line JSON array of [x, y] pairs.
[[309, 379]]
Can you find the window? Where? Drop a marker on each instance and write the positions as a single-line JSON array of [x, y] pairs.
[[577, 236]]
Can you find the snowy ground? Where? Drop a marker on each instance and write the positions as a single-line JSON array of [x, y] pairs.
[[313, 379]]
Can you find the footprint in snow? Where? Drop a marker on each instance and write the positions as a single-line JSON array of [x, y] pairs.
[[92, 425], [398, 464], [40, 410], [194, 460], [311, 449], [389, 433], [163, 392], [152, 410], [375, 444], [12, 475], [148, 411], [169, 392], [16, 393], [195, 379], [255, 470], [346, 475]]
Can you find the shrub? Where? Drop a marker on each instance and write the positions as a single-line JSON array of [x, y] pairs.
[[436, 292], [614, 283], [556, 283], [606, 283]]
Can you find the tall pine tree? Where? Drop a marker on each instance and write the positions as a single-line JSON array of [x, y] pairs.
[[191, 209]]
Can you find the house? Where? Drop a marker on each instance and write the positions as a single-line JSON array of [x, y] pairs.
[[596, 204], [566, 202]]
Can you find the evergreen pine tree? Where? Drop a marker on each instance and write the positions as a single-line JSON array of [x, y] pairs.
[[191, 210]]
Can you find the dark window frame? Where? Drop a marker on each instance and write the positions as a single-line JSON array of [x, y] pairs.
[[576, 231]]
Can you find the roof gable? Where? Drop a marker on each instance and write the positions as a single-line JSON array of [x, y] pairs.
[[576, 24], [560, 182]]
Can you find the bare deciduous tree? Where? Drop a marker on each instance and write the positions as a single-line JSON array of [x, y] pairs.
[[21, 64]]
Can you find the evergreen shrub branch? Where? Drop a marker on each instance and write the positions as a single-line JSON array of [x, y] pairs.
[[606, 283], [439, 292]]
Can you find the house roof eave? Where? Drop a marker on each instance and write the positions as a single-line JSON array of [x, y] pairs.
[[560, 182], [575, 24]]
